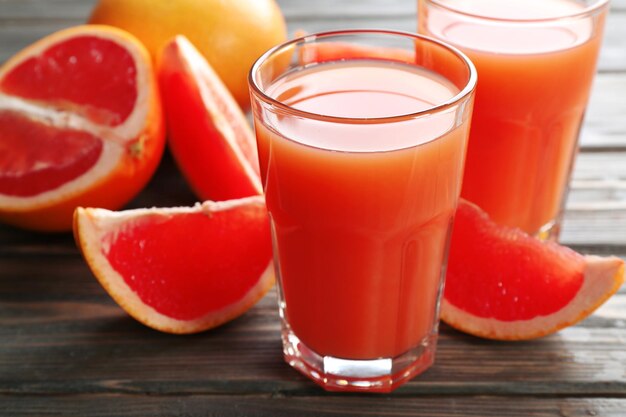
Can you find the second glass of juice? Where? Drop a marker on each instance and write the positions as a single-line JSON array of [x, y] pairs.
[[536, 60], [361, 138]]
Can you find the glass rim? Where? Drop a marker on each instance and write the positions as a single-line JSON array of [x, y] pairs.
[[597, 5], [467, 90]]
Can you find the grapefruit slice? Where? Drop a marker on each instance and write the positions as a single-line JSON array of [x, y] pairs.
[[504, 284], [80, 124], [180, 270], [208, 133]]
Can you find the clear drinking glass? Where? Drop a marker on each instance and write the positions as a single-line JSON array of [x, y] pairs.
[[361, 138], [536, 60]]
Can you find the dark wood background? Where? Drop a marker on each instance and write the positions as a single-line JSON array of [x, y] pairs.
[[67, 349]]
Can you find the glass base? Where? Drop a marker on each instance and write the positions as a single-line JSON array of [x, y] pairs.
[[376, 375]]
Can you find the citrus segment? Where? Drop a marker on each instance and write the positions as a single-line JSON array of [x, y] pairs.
[[503, 284], [229, 34], [86, 74], [526, 278], [81, 124], [42, 167], [209, 135], [180, 270]]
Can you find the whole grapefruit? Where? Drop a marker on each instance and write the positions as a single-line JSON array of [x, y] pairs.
[[230, 34]]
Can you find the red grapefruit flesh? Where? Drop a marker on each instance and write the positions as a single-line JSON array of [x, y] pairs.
[[503, 284], [70, 75], [180, 270], [59, 164], [209, 135], [80, 123]]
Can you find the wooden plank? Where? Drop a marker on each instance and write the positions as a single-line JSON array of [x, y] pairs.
[[594, 193], [61, 333], [329, 8], [604, 127], [30, 10], [612, 58], [67, 349], [608, 167], [321, 9], [595, 215], [597, 227], [21, 23], [596, 207], [327, 405]]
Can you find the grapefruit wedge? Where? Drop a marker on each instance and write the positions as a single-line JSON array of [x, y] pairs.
[[180, 270], [504, 284], [208, 133], [80, 124]]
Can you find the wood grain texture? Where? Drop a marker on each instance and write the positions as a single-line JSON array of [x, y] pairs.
[[262, 406], [22, 22], [62, 334], [67, 349], [595, 213], [604, 127]]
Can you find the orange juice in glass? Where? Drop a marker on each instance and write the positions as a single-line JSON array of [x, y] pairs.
[[536, 60], [361, 138]]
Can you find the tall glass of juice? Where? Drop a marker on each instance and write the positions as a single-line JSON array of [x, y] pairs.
[[536, 60], [361, 138]]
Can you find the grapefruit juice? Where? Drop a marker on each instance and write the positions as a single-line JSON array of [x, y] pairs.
[[361, 203], [535, 67]]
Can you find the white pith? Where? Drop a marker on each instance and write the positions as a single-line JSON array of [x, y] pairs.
[[603, 277], [93, 224], [115, 139], [108, 219], [195, 63]]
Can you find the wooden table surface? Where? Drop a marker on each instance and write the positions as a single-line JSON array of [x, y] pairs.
[[67, 349]]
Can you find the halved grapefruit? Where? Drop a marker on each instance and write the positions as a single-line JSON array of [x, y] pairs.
[[208, 133], [80, 124], [180, 270], [504, 284]]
